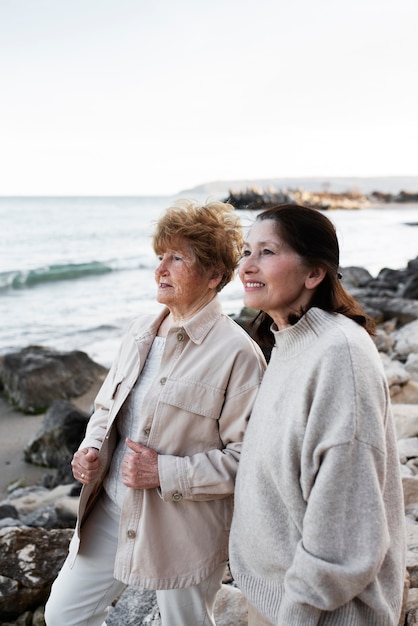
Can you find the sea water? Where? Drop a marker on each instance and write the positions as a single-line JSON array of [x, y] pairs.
[[75, 271]]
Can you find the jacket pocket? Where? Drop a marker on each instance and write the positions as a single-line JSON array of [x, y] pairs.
[[195, 397], [186, 420]]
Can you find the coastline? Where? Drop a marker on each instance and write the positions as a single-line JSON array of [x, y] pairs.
[[81, 292]]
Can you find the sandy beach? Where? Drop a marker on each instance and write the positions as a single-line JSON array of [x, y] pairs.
[[16, 431]]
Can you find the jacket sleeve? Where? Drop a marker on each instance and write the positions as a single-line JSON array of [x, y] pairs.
[[98, 423], [211, 475]]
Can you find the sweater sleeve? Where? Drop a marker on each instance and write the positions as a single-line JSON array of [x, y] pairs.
[[338, 558]]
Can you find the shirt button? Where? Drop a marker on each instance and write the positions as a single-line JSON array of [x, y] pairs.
[[176, 496], [163, 381], [131, 534], [147, 431], [180, 337]]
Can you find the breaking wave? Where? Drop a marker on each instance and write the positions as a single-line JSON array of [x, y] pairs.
[[20, 279]]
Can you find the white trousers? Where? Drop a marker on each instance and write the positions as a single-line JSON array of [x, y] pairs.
[[82, 595]]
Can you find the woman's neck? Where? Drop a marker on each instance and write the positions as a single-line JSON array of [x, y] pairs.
[[176, 318], [179, 314]]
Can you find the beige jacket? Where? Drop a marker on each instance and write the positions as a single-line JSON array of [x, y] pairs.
[[194, 416]]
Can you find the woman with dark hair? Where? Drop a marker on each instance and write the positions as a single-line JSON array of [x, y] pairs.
[[160, 454], [318, 529]]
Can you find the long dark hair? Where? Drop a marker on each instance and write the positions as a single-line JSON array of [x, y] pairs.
[[313, 237]]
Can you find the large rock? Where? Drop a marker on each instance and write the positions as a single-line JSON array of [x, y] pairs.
[[407, 394], [34, 377], [383, 340], [406, 339], [354, 276], [399, 283], [60, 435], [395, 372], [30, 559], [406, 420], [412, 554], [410, 491], [403, 309], [411, 366], [231, 607]]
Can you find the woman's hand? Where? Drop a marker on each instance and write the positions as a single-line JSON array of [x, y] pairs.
[[85, 465], [140, 467]]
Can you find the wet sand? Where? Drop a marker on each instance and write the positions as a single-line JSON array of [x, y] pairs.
[[16, 430]]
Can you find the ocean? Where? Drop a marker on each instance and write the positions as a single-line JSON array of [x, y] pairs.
[[74, 271]]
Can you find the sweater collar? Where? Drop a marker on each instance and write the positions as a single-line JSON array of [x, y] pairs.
[[294, 339]]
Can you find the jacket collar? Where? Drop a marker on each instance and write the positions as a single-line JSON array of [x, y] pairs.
[[196, 328], [200, 325]]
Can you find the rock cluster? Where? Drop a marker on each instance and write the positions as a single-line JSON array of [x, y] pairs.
[[256, 199], [36, 522]]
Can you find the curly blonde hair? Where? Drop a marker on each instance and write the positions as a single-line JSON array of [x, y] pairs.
[[213, 231]]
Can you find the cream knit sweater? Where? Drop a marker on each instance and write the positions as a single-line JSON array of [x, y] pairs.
[[318, 530]]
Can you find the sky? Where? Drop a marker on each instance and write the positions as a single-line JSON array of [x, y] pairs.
[[135, 97]]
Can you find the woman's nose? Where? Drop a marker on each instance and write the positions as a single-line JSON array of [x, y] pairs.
[[246, 265], [161, 268]]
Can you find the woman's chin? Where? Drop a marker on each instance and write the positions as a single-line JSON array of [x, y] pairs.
[[251, 302]]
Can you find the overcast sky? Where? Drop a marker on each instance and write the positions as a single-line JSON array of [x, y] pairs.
[[135, 97]]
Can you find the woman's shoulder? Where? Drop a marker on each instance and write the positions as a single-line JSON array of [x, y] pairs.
[[337, 323], [234, 336], [344, 336]]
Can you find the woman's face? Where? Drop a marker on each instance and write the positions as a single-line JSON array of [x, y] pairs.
[[275, 278], [182, 287]]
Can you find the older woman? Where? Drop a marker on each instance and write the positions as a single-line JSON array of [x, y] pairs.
[[161, 450], [318, 529]]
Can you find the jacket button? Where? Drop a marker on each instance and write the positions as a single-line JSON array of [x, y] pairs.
[[176, 496], [147, 431], [131, 534], [163, 381], [180, 337]]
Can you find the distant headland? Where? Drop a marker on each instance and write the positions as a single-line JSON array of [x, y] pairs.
[[254, 198], [323, 193], [364, 184]]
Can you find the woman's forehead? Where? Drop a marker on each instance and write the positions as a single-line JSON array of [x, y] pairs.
[[177, 244], [265, 230]]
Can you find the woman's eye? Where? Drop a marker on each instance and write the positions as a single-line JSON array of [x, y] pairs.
[[267, 251], [245, 253]]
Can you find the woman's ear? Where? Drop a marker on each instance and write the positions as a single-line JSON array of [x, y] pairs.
[[315, 277], [215, 278]]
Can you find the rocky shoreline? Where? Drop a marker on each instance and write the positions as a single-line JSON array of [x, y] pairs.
[[254, 198], [36, 521]]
